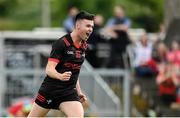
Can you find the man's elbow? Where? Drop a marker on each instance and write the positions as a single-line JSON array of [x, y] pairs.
[[48, 71]]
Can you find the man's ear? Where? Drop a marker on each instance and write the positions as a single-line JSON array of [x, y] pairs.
[[77, 25]]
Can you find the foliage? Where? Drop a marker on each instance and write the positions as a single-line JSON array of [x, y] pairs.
[[5, 5], [26, 14], [151, 14]]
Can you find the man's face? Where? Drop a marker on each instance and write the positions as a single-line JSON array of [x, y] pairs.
[[118, 12], [84, 28], [73, 11], [144, 39]]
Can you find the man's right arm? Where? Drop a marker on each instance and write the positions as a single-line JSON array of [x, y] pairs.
[[52, 72]]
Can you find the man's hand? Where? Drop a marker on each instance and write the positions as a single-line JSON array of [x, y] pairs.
[[65, 76], [82, 97]]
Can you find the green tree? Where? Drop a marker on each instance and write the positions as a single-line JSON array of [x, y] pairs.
[[151, 14], [26, 14], [5, 5]]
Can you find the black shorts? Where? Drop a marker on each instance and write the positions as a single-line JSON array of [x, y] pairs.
[[50, 97]]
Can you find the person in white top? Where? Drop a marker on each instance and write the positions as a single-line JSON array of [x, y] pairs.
[[143, 63], [143, 50]]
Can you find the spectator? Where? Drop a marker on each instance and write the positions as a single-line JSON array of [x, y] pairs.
[[168, 81], [69, 21], [174, 57], [162, 33], [160, 52], [117, 27], [21, 108], [174, 53], [93, 41], [143, 62]]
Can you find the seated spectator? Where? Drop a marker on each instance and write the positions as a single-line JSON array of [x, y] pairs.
[[21, 108], [174, 53], [117, 28], [160, 52], [174, 57], [168, 81], [69, 21], [143, 62]]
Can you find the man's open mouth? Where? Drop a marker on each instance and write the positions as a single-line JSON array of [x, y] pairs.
[[87, 34]]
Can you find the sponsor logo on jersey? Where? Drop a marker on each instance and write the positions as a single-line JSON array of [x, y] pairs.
[[70, 52], [83, 55], [73, 66]]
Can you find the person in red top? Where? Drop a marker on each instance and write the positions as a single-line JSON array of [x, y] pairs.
[[174, 54], [21, 108], [168, 80], [60, 89]]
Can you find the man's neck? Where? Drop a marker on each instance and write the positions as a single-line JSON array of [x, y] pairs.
[[76, 39]]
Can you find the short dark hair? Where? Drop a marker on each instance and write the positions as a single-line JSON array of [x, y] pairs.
[[84, 15]]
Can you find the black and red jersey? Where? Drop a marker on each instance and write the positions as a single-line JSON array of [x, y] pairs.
[[69, 58]]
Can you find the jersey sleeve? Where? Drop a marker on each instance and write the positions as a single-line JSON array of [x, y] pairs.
[[57, 51]]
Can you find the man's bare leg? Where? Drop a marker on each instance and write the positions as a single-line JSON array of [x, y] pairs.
[[38, 111], [72, 109]]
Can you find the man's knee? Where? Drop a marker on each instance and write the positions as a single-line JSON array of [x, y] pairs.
[[72, 109]]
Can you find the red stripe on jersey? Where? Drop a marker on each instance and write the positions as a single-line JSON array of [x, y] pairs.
[[66, 42], [53, 59], [41, 98], [39, 95]]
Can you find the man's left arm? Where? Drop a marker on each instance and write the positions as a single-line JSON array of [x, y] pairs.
[[79, 92]]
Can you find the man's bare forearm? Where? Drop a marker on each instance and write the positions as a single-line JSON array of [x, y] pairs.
[[78, 87]]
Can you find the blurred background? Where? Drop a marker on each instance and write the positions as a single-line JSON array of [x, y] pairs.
[[132, 62], [23, 15]]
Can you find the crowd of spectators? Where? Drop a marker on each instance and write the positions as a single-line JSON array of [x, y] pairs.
[[169, 74], [152, 58]]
